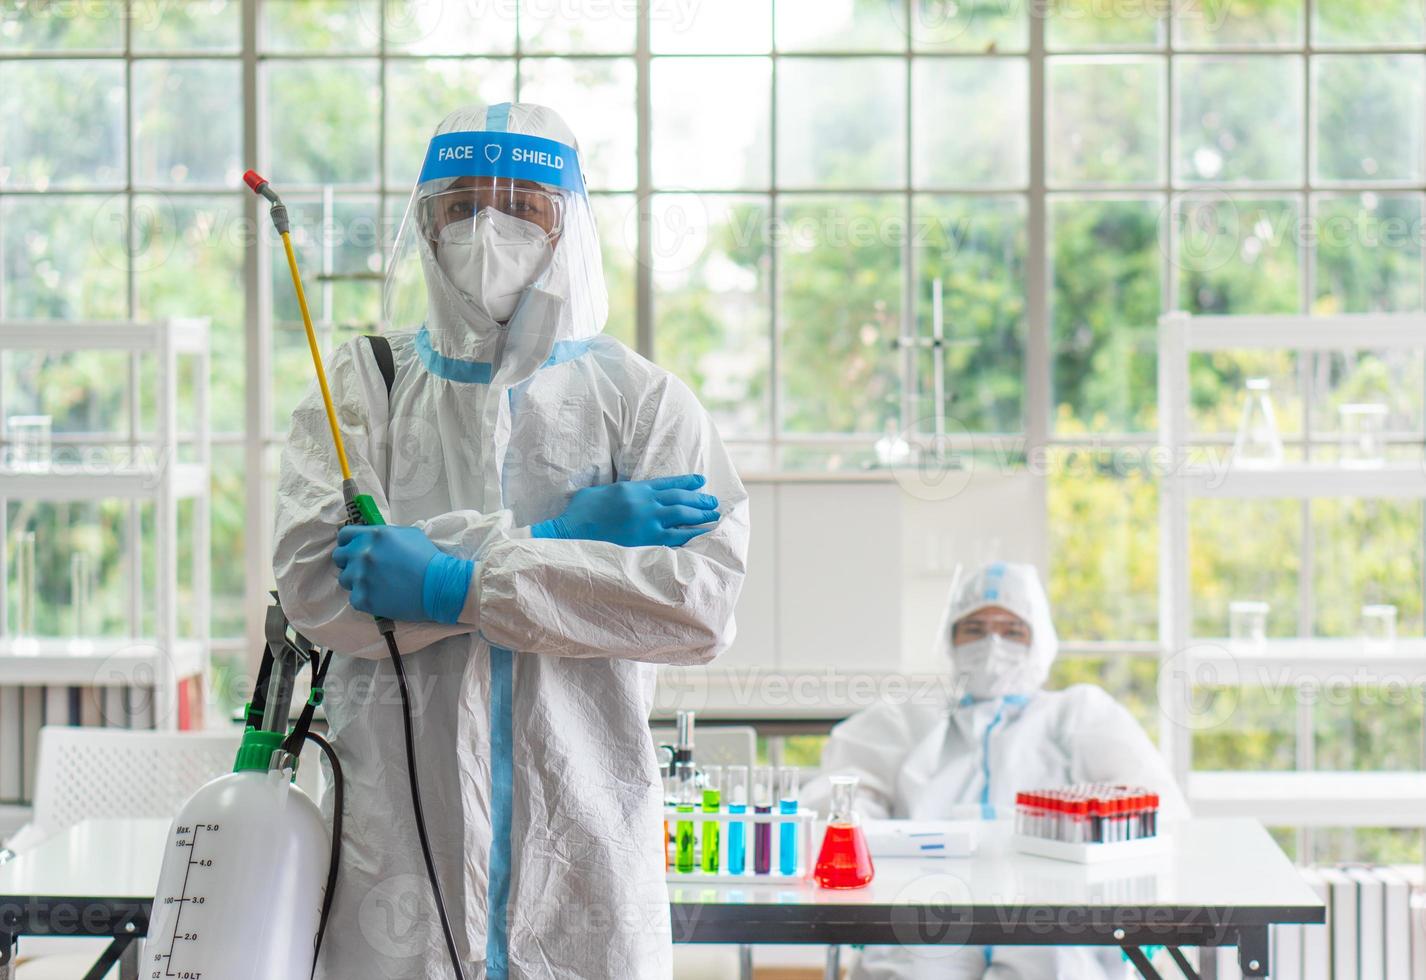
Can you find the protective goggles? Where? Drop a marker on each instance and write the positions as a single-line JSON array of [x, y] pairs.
[[517, 198], [977, 626]]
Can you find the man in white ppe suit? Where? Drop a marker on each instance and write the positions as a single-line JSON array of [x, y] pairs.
[[550, 542], [999, 735]]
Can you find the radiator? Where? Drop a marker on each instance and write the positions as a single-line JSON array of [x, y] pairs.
[[1375, 930]]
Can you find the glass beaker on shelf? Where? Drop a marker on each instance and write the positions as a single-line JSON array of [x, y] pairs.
[[1248, 625], [844, 860], [1258, 445], [29, 438], [1363, 435], [1379, 628]]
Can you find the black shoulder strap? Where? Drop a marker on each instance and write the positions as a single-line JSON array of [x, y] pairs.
[[381, 349]]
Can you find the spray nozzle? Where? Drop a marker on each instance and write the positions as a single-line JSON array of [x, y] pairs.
[[260, 185]]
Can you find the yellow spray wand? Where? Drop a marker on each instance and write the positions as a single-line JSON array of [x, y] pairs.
[[361, 508]]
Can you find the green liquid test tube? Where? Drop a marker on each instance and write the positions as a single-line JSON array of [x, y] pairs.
[[683, 833], [712, 800]]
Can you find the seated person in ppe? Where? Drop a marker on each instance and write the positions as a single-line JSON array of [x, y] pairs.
[[563, 518], [1000, 734]]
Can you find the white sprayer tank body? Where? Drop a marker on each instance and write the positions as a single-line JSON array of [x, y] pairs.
[[240, 893]]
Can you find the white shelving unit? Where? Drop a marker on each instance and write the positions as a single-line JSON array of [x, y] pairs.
[[145, 470], [1295, 798]]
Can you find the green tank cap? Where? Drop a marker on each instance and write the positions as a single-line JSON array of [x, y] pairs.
[[255, 752]]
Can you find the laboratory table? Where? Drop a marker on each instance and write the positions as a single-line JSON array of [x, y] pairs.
[[1219, 883]]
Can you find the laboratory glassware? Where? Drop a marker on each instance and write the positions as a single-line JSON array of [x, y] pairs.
[[712, 803], [1363, 435], [1248, 624], [1259, 445], [29, 442], [683, 832], [844, 860], [762, 832], [737, 794], [81, 592], [1379, 628], [787, 830]]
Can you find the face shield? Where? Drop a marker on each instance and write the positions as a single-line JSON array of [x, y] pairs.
[[494, 215]]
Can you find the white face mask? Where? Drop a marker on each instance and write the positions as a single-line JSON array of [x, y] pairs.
[[993, 667], [493, 259]]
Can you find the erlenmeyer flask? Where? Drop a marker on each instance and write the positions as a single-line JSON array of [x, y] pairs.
[[1258, 446], [845, 859]]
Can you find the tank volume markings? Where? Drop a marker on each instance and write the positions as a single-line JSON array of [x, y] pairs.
[[181, 899]]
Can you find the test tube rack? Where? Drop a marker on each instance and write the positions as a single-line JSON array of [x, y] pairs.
[[804, 821]]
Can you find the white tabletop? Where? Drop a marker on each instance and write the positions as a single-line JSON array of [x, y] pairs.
[[1220, 866], [1208, 864]]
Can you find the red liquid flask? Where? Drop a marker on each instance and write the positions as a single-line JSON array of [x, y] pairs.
[[845, 859]]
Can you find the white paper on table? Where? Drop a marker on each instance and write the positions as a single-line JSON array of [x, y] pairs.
[[921, 838]]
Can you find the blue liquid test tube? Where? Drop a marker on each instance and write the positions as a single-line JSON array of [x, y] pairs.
[[787, 829], [762, 832], [737, 830]]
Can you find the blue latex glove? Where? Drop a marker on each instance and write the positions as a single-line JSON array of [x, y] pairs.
[[397, 573], [666, 511]]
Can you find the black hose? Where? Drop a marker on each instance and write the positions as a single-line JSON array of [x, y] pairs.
[[388, 630], [338, 787]]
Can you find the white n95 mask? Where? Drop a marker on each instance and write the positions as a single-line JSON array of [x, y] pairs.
[[493, 259], [994, 667]]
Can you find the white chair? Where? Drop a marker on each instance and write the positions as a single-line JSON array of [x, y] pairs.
[[97, 773]]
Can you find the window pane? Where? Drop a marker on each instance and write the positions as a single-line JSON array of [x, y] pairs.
[[725, 27], [971, 124], [187, 126], [322, 122], [1368, 113], [231, 490], [1368, 552], [197, 25], [1244, 550], [1368, 253], [1393, 379], [1107, 262], [985, 25], [1370, 845], [841, 123], [1103, 509], [973, 249], [703, 142], [320, 25], [418, 97], [1370, 727], [615, 216], [332, 238], [189, 262], [839, 286], [1239, 23], [64, 263], [43, 105], [1095, 24], [1106, 120], [1256, 728], [841, 25], [596, 98], [1237, 255], [96, 26], [596, 27], [1227, 130], [1349, 22], [713, 303], [1132, 681], [451, 26]]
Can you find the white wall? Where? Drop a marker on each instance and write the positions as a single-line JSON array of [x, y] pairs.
[[850, 575]]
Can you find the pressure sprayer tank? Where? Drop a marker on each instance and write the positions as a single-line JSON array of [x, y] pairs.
[[244, 867]]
